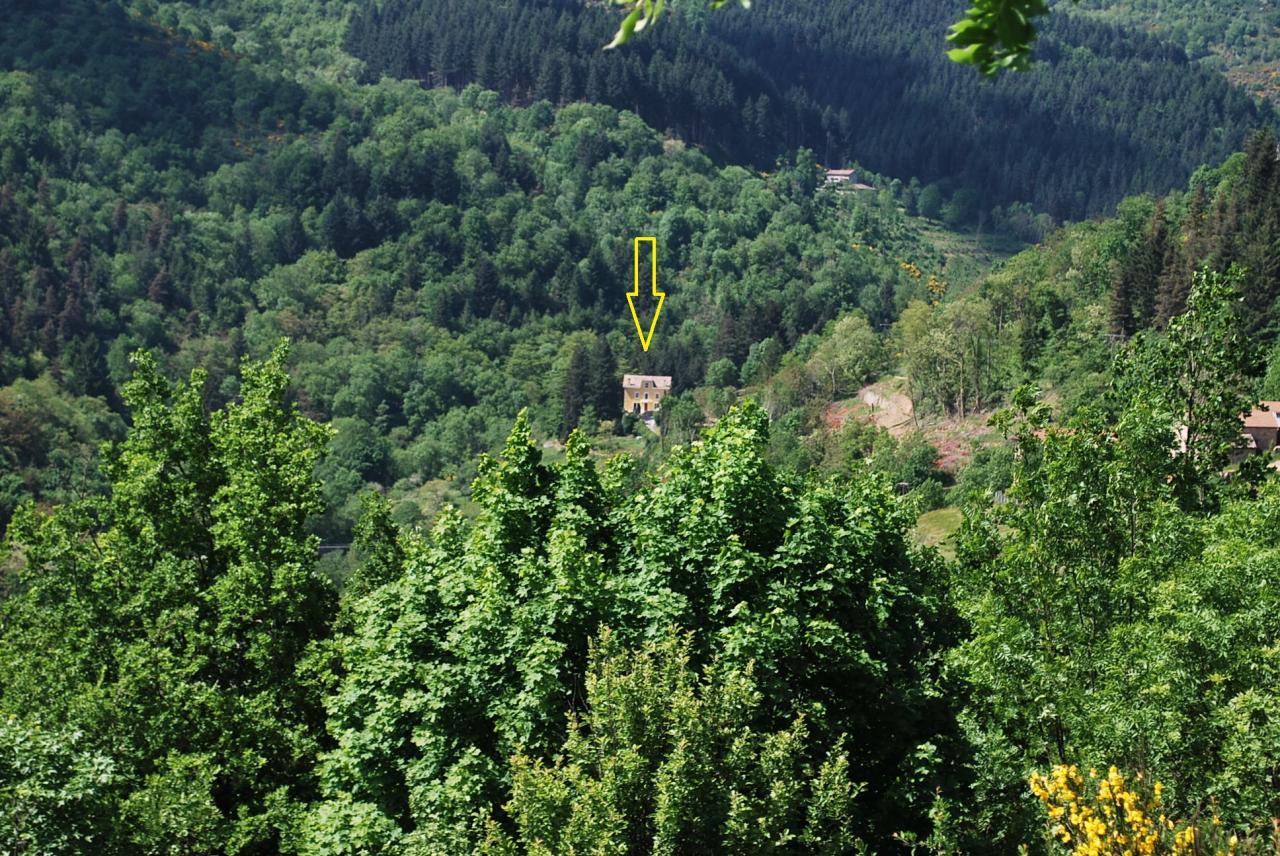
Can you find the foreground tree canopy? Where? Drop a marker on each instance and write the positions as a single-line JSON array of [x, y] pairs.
[[477, 647], [152, 692], [727, 657], [194, 644]]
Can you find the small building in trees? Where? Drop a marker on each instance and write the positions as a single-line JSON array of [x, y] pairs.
[[1261, 427], [844, 179], [642, 394], [838, 177]]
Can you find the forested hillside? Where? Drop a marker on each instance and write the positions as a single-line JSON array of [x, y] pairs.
[[1111, 113], [438, 259], [1240, 37], [1056, 313], [251, 306]]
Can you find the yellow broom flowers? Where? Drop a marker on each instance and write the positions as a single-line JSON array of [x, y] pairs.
[[1110, 816]]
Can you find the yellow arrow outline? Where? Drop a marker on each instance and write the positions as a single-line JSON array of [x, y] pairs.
[[645, 341]]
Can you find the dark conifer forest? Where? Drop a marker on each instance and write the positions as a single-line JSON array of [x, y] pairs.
[[1110, 113]]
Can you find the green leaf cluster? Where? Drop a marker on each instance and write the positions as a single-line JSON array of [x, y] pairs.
[[664, 760], [996, 35], [817, 613], [152, 681]]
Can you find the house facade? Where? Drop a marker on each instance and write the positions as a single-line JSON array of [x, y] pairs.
[[1261, 427], [839, 177], [844, 179], [642, 394]]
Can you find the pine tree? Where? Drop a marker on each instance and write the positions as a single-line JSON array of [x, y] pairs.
[[575, 387], [603, 389]]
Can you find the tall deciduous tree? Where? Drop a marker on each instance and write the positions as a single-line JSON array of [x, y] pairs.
[[665, 760], [849, 355], [1199, 376], [164, 629], [478, 651]]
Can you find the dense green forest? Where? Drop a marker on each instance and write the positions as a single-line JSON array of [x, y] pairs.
[[1241, 38], [254, 301], [1054, 314], [438, 259], [781, 668], [1109, 113]]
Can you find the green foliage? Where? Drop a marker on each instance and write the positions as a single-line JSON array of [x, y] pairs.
[[929, 204], [1095, 639], [850, 355], [378, 546], [48, 443], [762, 361], [478, 650], [1270, 387], [913, 460], [679, 420], [951, 355], [961, 209], [722, 373], [174, 811], [664, 760], [56, 791], [158, 634], [988, 472], [995, 35], [1198, 376]]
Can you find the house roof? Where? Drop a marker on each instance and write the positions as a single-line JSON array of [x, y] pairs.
[[1264, 418], [840, 173], [644, 381]]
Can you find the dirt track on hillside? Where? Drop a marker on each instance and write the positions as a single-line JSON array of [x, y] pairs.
[[891, 411]]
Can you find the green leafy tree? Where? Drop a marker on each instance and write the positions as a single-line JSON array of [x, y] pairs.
[[478, 650], [850, 355], [666, 760], [165, 628], [1095, 638], [930, 202], [961, 209], [722, 373], [1199, 376]]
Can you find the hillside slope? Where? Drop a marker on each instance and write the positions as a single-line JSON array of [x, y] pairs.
[[1239, 37], [439, 260], [1110, 112]]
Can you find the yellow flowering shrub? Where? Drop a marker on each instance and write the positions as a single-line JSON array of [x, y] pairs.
[[936, 287], [1095, 815]]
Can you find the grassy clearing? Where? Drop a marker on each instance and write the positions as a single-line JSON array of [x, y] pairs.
[[935, 528], [968, 256]]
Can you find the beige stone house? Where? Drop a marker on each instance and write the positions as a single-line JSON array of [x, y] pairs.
[[1261, 428], [641, 394]]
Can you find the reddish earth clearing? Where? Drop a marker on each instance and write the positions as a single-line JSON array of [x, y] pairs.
[[887, 407], [890, 410]]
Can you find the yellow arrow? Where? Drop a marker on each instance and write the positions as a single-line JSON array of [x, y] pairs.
[[645, 341]]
